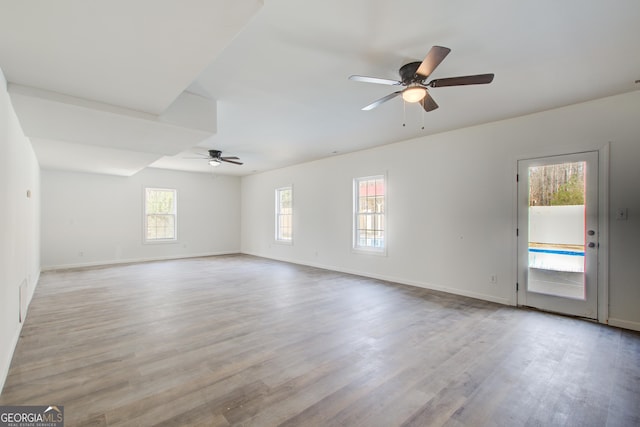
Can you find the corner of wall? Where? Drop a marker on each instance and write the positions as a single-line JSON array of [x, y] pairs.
[[19, 229]]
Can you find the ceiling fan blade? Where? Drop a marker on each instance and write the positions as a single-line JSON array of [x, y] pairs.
[[230, 157], [226, 159], [432, 60], [478, 79], [375, 80], [374, 104], [428, 103]]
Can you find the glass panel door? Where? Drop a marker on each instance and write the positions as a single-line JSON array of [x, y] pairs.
[[557, 233]]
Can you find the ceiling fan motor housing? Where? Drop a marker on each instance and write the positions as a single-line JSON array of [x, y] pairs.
[[408, 74], [215, 153]]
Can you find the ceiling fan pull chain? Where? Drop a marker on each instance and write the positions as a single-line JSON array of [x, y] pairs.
[[422, 118], [404, 113]]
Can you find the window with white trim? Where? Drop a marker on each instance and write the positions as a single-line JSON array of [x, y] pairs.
[[160, 215], [284, 214], [369, 222]]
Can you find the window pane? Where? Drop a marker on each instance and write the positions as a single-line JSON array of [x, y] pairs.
[[362, 188], [285, 199], [160, 210], [284, 213], [362, 204], [160, 226], [379, 187], [369, 216], [160, 201], [371, 204]]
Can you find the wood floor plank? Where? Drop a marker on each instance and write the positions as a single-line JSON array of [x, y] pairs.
[[239, 340]]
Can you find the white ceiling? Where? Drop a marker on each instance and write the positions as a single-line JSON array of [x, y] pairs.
[[268, 83]]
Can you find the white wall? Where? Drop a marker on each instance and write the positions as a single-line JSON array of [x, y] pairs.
[[91, 219], [451, 203], [19, 226]]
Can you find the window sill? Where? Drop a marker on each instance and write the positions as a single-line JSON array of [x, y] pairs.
[[283, 242], [160, 241], [370, 251]]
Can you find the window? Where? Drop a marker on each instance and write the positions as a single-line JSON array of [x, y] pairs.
[[160, 214], [369, 213], [284, 214]]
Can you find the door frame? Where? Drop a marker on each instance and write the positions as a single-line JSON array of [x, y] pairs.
[[603, 222]]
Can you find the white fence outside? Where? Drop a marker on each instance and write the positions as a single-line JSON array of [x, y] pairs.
[[557, 224], [552, 228]]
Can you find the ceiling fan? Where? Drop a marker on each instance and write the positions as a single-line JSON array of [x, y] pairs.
[[414, 75], [215, 158]]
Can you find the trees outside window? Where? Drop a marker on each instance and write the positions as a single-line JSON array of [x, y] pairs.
[[557, 185], [160, 214]]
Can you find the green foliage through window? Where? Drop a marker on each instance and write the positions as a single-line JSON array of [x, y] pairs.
[[569, 193], [160, 214], [557, 185]]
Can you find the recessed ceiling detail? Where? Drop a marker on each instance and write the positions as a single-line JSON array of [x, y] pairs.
[[110, 77], [71, 123]]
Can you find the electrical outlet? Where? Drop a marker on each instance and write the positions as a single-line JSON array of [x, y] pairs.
[[621, 214]]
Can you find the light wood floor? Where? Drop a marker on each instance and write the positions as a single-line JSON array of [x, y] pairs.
[[239, 340]]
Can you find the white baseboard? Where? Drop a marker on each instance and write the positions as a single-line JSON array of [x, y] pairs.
[[394, 279], [625, 324], [132, 260]]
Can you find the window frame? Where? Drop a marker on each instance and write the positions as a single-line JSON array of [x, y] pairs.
[[278, 236], [375, 250], [145, 217]]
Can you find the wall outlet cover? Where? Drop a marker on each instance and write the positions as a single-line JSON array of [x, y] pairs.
[[621, 214]]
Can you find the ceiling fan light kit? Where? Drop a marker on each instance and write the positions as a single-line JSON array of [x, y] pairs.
[[414, 75], [414, 94]]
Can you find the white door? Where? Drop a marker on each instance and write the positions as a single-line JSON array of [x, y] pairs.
[[558, 234]]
